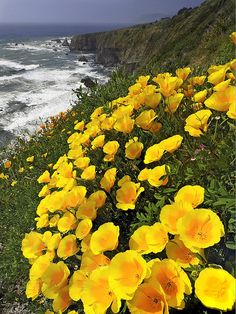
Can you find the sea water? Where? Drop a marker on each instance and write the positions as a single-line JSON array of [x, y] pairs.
[[37, 75]]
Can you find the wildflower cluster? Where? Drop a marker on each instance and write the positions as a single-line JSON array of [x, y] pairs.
[[84, 248]]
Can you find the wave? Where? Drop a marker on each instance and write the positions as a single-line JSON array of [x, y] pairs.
[[16, 65]]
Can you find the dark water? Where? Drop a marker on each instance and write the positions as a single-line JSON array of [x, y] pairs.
[[29, 31], [37, 74]]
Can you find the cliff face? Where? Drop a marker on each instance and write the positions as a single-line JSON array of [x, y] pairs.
[[193, 36]]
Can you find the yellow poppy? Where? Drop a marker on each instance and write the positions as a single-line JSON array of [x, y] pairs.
[[170, 214], [76, 284], [200, 228], [153, 153], [67, 246], [83, 228], [173, 102], [148, 299], [108, 180], [149, 239], [216, 289], [124, 124], [127, 195], [193, 194], [171, 144], [126, 272], [173, 280], [177, 251], [89, 173], [105, 238], [196, 123]]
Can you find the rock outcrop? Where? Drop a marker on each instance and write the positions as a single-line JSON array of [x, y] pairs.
[[193, 36], [65, 43]]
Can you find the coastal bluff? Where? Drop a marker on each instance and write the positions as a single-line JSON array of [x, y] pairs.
[[194, 36]]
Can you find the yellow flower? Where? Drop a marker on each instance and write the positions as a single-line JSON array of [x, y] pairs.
[[193, 194], [221, 101], [217, 74], [197, 80], [62, 301], [143, 80], [222, 86], [44, 178], [33, 288], [133, 149], [233, 37], [13, 183], [79, 126], [153, 153], [150, 97], [108, 123], [67, 222], [173, 102], [127, 195], [97, 295], [177, 251], [200, 228], [200, 96], [97, 112], [89, 173], [168, 84], [105, 238], [170, 214], [42, 221], [110, 149], [89, 261], [231, 113], [98, 142], [83, 228], [173, 281], [32, 245], [124, 124], [156, 176], [99, 198], [196, 123], [108, 180], [145, 119], [21, 170], [39, 266], [82, 162], [76, 196], [148, 298], [183, 73], [67, 246], [54, 241], [76, 285], [54, 278], [171, 143], [126, 272], [87, 210], [149, 239], [76, 153], [216, 289], [7, 164], [30, 159]]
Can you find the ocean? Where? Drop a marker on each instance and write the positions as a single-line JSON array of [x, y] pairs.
[[37, 74]]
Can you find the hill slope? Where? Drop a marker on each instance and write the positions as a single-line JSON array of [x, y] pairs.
[[196, 36]]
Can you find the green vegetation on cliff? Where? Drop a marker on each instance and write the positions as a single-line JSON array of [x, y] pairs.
[[196, 36]]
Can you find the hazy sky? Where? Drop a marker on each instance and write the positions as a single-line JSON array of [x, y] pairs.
[[89, 11]]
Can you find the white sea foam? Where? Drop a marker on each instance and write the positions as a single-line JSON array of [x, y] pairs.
[[17, 66]]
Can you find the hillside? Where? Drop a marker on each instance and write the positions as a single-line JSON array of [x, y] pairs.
[[196, 36]]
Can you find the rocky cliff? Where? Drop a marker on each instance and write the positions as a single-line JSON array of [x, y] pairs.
[[198, 36]]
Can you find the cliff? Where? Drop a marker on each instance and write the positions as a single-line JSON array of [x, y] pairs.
[[198, 36]]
